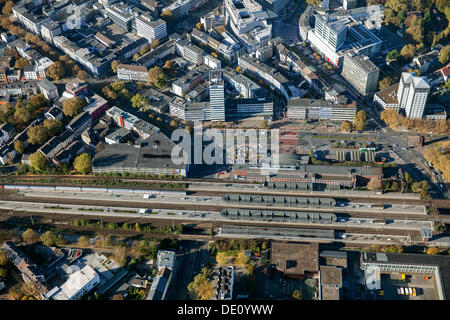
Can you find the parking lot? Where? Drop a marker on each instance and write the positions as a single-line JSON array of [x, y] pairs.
[[425, 289]]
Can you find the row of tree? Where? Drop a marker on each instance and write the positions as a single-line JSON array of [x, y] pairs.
[[394, 120], [82, 163]]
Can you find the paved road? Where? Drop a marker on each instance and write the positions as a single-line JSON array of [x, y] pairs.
[[189, 261]]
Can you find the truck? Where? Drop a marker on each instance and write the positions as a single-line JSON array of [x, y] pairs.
[[144, 211]]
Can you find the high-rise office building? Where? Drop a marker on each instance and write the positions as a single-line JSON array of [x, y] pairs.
[[150, 29], [412, 94], [360, 72], [332, 30], [216, 95]]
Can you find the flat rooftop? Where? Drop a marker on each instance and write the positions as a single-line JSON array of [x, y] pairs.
[[296, 258]]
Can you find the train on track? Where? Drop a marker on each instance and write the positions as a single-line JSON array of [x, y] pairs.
[[91, 189]]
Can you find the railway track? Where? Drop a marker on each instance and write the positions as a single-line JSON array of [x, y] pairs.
[[436, 203], [195, 207], [65, 220]]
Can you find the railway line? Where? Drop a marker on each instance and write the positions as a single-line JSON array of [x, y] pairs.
[[12, 196], [438, 203], [197, 227]]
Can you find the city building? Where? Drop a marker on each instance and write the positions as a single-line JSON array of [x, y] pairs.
[[412, 94], [48, 89], [332, 37], [271, 76], [360, 72], [193, 54], [118, 136], [250, 23], [322, 176], [132, 72], [435, 112], [29, 271], [257, 107], [327, 110], [123, 15], [247, 88], [165, 259], [77, 285], [427, 62], [7, 132], [409, 95], [150, 29], [181, 8], [225, 283], [160, 284], [330, 283], [216, 95], [296, 260], [274, 5], [190, 80], [374, 264]]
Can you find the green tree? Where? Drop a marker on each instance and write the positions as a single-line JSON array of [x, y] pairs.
[[117, 86], [385, 83], [408, 51], [84, 241], [4, 261], [38, 161], [114, 65], [392, 56], [82, 75], [201, 288], [173, 124], [154, 44], [7, 7], [346, 126], [144, 49], [37, 134], [445, 55], [73, 106], [19, 146], [30, 236], [83, 163], [49, 238], [22, 114], [167, 15], [53, 126], [56, 71], [433, 251], [168, 64], [21, 63], [297, 295], [360, 120], [157, 77]]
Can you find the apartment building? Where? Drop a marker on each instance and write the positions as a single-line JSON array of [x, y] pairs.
[[360, 72], [150, 29], [132, 72]]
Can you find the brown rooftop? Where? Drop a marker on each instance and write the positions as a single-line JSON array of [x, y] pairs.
[[296, 258], [132, 67], [331, 282], [103, 38], [389, 95]]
